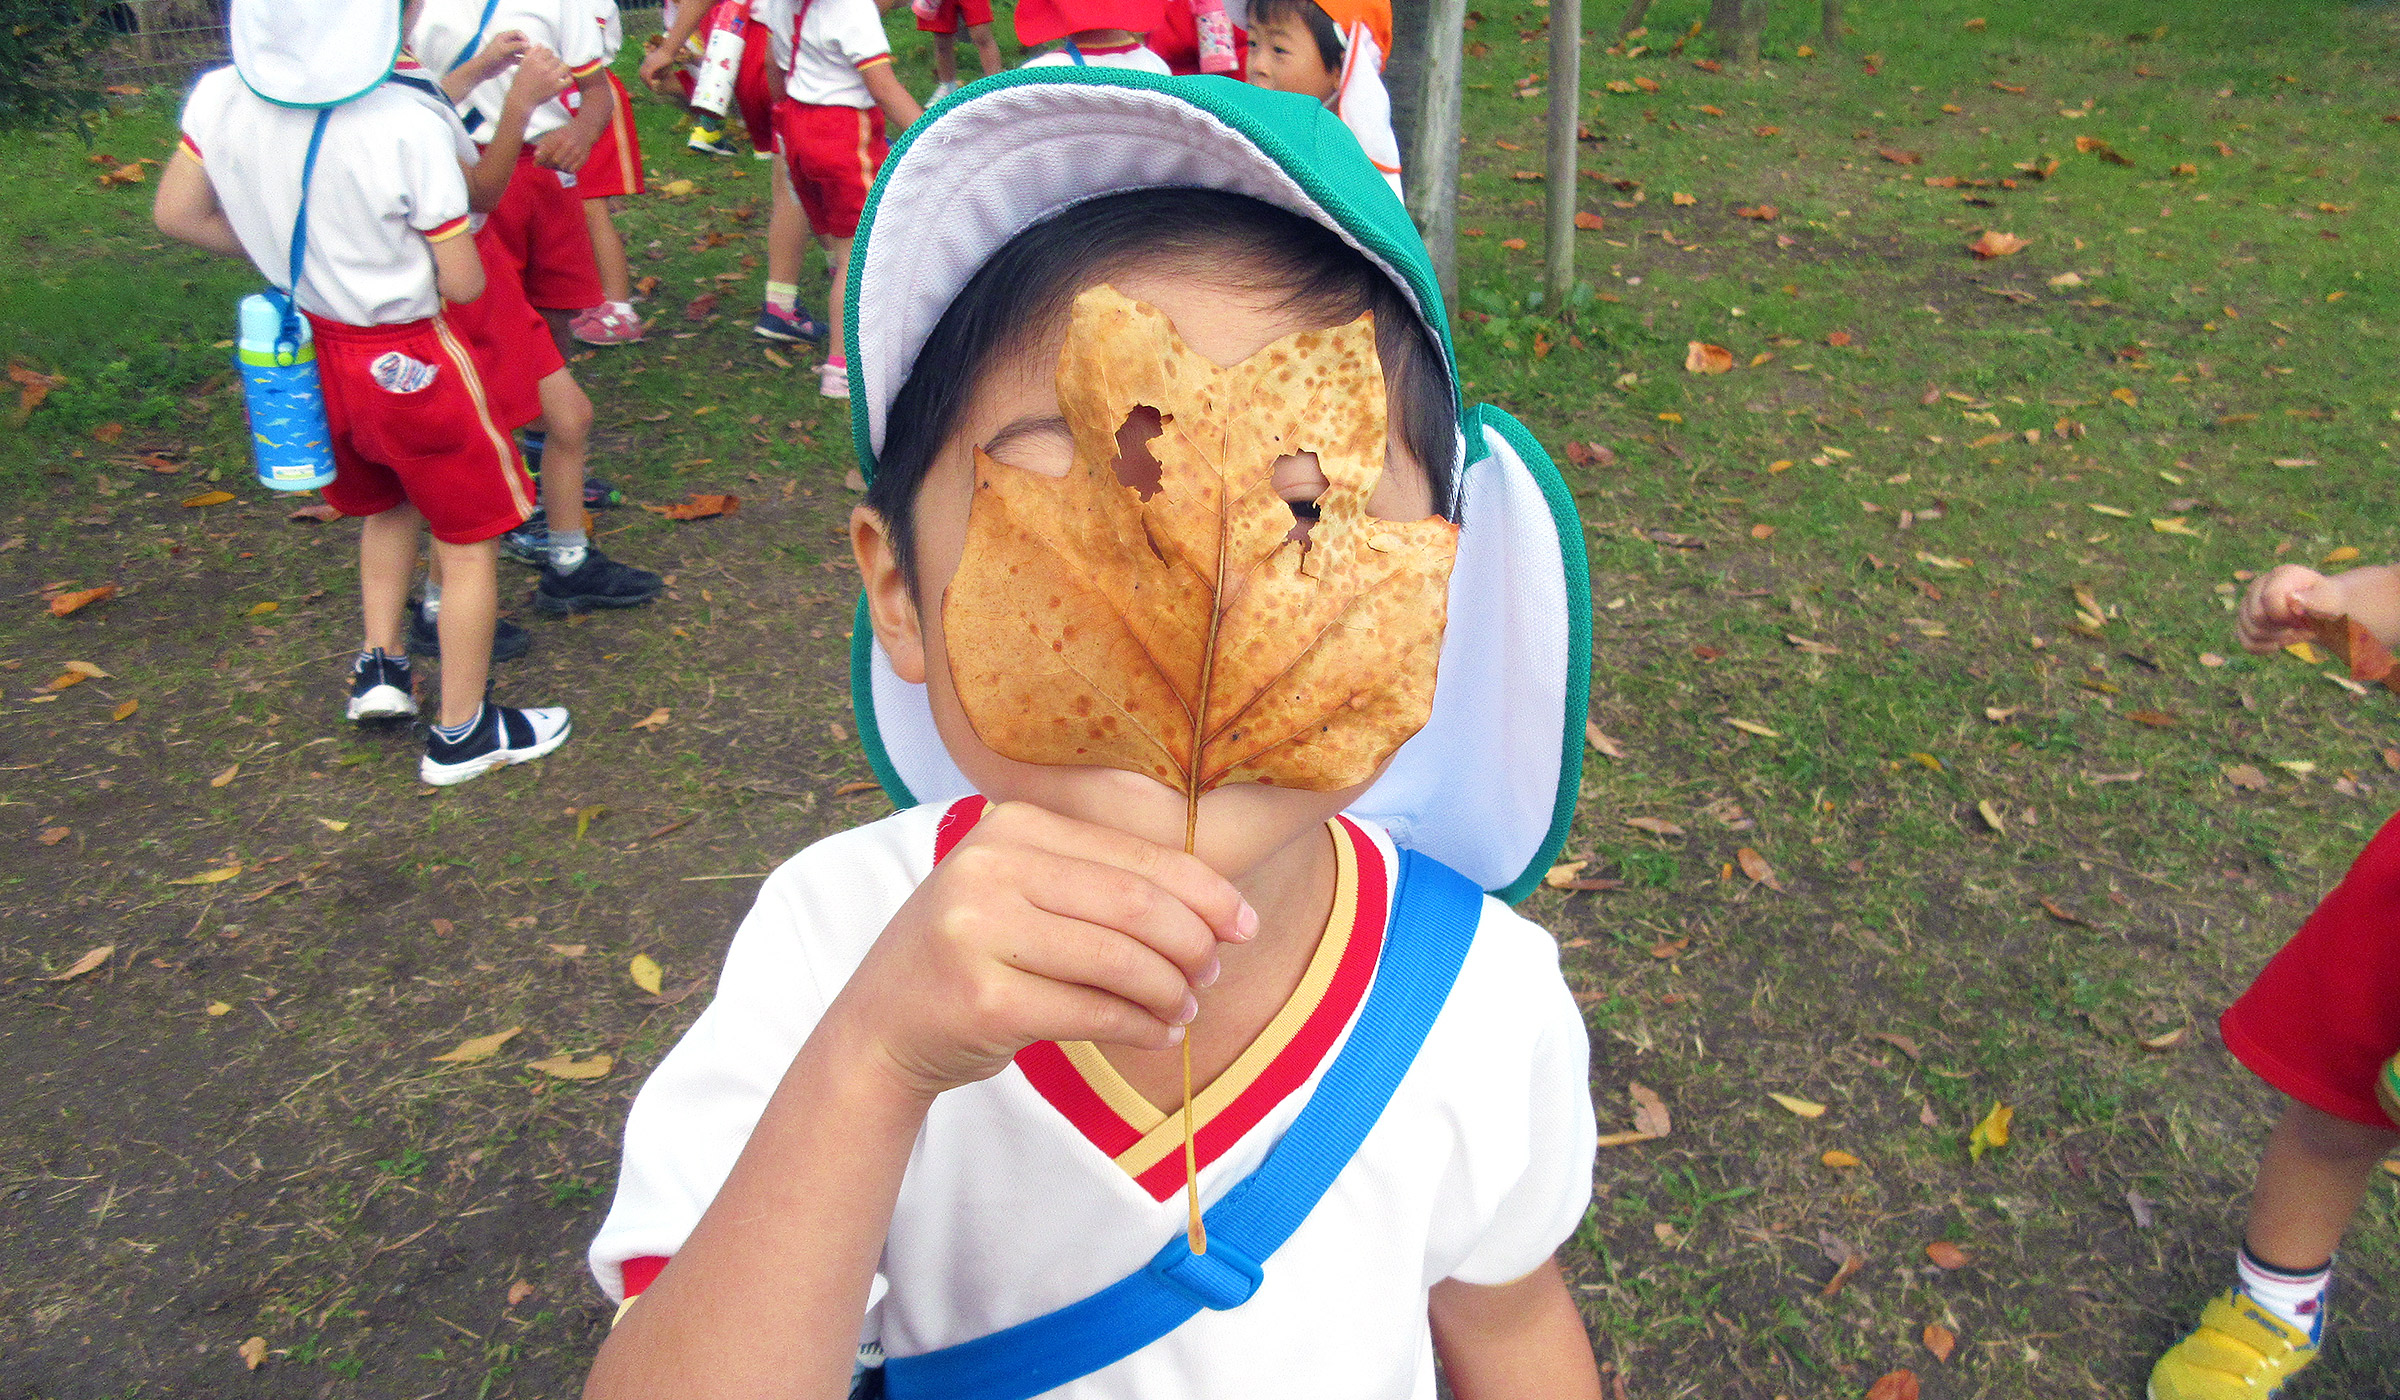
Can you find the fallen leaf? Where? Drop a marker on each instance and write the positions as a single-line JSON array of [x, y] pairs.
[[217, 1008], [63, 680], [698, 507], [774, 359], [226, 777], [2305, 652], [1752, 727], [1598, 739], [2342, 555], [2061, 913], [1897, 1385], [857, 787], [2156, 719], [655, 720], [569, 950], [317, 511], [645, 972], [333, 826], [51, 836], [207, 498], [253, 1353], [1589, 221], [2145, 1216], [2165, 1040], [217, 876], [1998, 714], [1991, 816], [568, 1067], [2246, 776], [1946, 1255], [1902, 1043], [1811, 645], [2299, 767], [1844, 1270], [1802, 1107], [2124, 396], [1940, 1340], [85, 964], [1838, 1159], [701, 307], [2176, 525], [1514, 245], [1700, 357], [1995, 244], [1991, 1133], [1649, 1112], [518, 1292], [1755, 866], [1838, 339], [1670, 949], [262, 609], [1558, 875], [482, 1047], [1656, 826], [66, 603], [1898, 156], [1253, 628]]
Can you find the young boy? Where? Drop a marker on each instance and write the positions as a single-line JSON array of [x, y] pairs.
[[1091, 33], [942, 19], [537, 247], [936, 1090], [415, 441], [829, 129], [2322, 1024], [1333, 51], [612, 171]]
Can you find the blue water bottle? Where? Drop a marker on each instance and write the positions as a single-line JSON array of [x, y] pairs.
[[288, 436]]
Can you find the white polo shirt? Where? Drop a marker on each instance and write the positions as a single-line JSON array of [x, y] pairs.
[[836, 42], [1053, 1179], [572, 29], [387, 187]]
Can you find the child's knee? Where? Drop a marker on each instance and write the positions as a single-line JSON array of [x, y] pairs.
[[2321, 1134], [566, 411]]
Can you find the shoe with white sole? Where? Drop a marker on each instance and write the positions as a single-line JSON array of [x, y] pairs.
[[381, 687], [502, 735], [833, 380]]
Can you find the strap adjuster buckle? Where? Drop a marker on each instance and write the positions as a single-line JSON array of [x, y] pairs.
[[1221, 1279]]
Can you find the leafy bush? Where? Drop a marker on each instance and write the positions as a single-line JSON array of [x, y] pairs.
[[47, 52]]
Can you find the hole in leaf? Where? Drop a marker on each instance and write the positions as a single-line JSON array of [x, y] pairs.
[[1137, 467], [1299, 480]]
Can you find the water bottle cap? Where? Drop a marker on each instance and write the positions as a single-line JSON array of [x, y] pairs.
[[262, 322]]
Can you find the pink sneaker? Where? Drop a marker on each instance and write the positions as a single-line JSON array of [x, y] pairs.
[[609, 323], [833, 379]]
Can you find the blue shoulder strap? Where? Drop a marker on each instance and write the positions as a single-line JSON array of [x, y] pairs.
[[1433, 920], [490, 8], [289, 333], [1074, 53]]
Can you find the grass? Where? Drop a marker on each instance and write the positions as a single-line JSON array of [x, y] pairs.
[[294, 1168]]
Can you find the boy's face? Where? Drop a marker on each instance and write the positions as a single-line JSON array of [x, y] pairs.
[[1283, 56], [1015, 419]]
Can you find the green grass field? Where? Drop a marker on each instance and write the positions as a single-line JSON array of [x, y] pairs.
[[1956, 540]]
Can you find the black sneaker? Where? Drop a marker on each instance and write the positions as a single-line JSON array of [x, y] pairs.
[[601, 494], [501, 736], [382, 687], [509, 641], [529, 543], [599, 582]]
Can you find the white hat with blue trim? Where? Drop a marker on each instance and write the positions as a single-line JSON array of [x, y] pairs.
[[313, 53], [1489, 785]]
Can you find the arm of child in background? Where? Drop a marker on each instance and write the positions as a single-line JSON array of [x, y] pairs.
[[187, 208], [541, 75], [457, 267], [2276, 610], [498, 52], [1037, 927], [1514, 1339], [688, 19], [899, 109], [567, 148]]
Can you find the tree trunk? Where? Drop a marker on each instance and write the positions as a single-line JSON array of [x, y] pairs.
[[1566, 88], [1634, 15], [1753, 23], [1432, 180], [1404, 79], [1831, 25]]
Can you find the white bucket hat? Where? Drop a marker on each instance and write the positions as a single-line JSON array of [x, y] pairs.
[[1490, 783], [314, 53]]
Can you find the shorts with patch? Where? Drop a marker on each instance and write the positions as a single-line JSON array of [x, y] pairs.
[[615, 165], [538, 237], [832, 154], [411, 424], [2324, 1014], [953, 13], [508, 337]]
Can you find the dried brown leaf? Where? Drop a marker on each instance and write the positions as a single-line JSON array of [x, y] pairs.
[[84, 964], [253, 1353], [1897, 1385], [481, 1047], [1940, 1340], [66, 603], [1946, 1255], [568, 1067], [1656, 826], [1995, 244], [1756, 867], [698, 507], [1650, 1111], [1700, 357]]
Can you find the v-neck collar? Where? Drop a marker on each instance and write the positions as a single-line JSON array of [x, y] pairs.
[[1145, 1142]]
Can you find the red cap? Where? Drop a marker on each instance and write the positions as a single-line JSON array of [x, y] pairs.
[[1040, 21]]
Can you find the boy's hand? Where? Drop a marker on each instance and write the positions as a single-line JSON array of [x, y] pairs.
[[541, 75], [499, 51], [2277, 609], [654, 63], [564, 149], [1039, 927]]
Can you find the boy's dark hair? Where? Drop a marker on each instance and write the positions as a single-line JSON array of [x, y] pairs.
[[1029, 284], [1309, 13]]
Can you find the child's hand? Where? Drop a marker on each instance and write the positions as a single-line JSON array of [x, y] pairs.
[[499, 51], [564, 149], [2277, 609], [654, 65], [541, 75], [1038, 927]]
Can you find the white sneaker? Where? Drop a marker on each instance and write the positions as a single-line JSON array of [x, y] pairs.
[[381, 687], [501, 736], [942, 90], [833, 380]]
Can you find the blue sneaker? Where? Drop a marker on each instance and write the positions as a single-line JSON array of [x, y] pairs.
[[792, 327], [529, 543]]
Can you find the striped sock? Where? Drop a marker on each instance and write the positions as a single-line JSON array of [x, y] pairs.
[[2296, 1296], [783, 296]]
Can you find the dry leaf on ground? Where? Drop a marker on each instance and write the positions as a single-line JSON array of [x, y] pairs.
[[2061, 913], [207, 498], [317, 511], [518, 1292], [1590, 222], [656, 719], [253, 1352], [1838, 1159], [1700, 357], [85, 964], [568, 1067], [1946, 1255], [1904, 1044], [1656, 826], [1991, 816], [481, 1047], [1897, 1385], [698, 507], [51, 836], [1598, 739], [645, 972], [2245, 776], [1803, 1107], [65, 603], [1991, 1133], [1898, 156], [217, 876], [1649, 1111], [1995, 244], [226, 777], [1940, 1340], [1753, 727], [1755, 866]]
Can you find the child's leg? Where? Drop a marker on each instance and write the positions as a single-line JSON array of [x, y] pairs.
[[2311, 1178], [387, 564], [837, 271], [567, 422], [987, 48], [608, 250], [470, 610], [945, 57], [787, 230]]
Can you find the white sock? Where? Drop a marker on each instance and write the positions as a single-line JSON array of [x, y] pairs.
[[433, 599], [2298, 1299], [567, 550]]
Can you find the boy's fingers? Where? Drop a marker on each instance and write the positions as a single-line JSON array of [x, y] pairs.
[[1106, 896], [1202, 890], [1066, 951], [1068, 1011]]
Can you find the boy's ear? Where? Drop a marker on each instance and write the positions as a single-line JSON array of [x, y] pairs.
[[890, 606]]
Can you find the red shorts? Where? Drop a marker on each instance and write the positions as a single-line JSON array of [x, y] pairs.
[[833, 154], [615, 165], [538, 237], [508, 337], [947, 19], [411, 424], [756, 89], [2324, 1013]]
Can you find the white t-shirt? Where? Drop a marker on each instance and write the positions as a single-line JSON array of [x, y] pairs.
[[573, 29], [387, 187], [837, 40], [1053, 1179], [1134, 56]]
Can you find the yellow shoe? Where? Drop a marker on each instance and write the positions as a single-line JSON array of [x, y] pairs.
[[2240, 1351], [2387, 1089]]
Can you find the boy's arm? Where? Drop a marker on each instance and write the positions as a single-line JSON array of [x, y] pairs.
[[1514, 1339], [688, 20], [541, 76], [900, 109], [457, 267], [2276, 610], [568, 147], [187, 208], [498, 52]]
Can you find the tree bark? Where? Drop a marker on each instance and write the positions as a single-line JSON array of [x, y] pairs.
[[1566, 90], [1831, 25], [1635, 13], [1433, 179], [1404, 79]]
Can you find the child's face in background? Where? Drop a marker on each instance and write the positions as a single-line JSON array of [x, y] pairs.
[[1014, 418], [1283, 56]]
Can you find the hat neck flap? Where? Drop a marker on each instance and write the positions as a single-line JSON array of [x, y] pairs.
[[311, 54]]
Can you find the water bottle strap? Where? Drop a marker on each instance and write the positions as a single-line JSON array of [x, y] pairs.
[[289, 333]]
